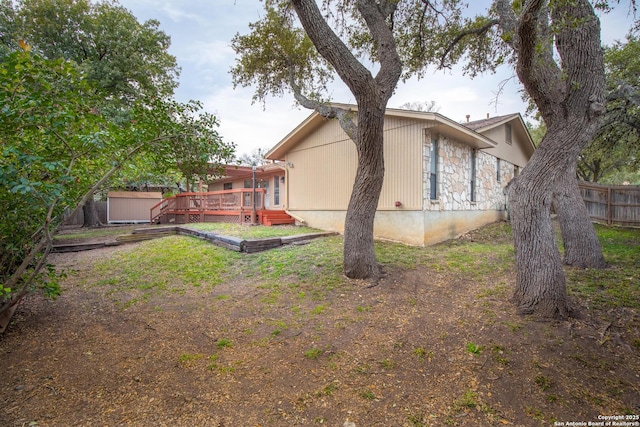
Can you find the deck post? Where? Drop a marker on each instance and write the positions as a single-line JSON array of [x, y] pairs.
[[201, 197], [253, 196]]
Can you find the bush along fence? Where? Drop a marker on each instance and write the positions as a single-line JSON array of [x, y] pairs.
[[612, 204]]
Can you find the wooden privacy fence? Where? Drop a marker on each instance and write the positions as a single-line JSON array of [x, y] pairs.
[[612, 204]]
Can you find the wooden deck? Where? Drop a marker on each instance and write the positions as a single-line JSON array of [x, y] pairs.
[[234, 206]]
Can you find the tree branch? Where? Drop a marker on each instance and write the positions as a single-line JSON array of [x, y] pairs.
[[330, 46], [478, 32], [528, 35], [46, 243], [325, 110], [626, 92], [390, 64]]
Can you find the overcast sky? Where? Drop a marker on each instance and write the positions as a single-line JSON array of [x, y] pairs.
[[201, 32]]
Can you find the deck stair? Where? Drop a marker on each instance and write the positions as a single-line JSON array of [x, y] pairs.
[[276, 218]]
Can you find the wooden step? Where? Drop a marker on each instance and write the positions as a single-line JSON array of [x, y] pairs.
[[276, 218], [279, 222]]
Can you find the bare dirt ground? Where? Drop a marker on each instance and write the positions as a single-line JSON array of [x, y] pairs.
[[425, 347]]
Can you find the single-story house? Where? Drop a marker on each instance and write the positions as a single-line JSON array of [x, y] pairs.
[[442, 178]]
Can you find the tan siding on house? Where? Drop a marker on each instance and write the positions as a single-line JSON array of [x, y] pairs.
[[497, 134], [321, 164], [330, 132], [403, 140], [315, 181], [219, 186], [324, 167], [513, 153], [215, 186]]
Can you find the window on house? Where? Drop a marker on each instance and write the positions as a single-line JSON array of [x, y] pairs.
[[227, 186], [498, 170], [248, 183], [433, 178], [472, 190], [507, 133], [276, 190]]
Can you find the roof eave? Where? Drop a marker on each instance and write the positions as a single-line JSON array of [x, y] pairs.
[[297, 134], [454, 130], [530, 145], [441, 124]]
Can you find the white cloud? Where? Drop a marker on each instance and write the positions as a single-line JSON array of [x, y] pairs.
[[249, 126], [201, 32], [207, 53], [457, 95]]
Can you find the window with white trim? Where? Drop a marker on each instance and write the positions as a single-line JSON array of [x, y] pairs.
[[433, 169], [472, 189]]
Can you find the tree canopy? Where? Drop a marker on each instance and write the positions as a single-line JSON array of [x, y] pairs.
[[614, 154], [127, 59], [254, 158], [77, 107]]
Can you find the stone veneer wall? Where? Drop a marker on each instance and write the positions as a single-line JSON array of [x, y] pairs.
[[454, 176]]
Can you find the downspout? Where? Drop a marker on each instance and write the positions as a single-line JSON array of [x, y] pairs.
[[507, 208], [286, 186]]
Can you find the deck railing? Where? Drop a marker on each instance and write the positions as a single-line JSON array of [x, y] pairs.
[[225, 202]]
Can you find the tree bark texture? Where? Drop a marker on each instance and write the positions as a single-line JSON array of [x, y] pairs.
[[371, 94], [540, 281], [570, 96], [359, 256], [90, 213], [581, 245]]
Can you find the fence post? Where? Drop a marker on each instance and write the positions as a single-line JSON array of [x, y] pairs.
[[608, 205]]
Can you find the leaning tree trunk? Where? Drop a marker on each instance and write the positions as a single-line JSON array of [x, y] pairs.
[[564, 75], [359, 254], [540, 282], [581, 245], [90, 213], [372, 95]]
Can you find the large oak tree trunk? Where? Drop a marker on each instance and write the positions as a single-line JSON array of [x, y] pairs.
[[371, 94], [359, 255], [90, 213], [569, 93], [540, 281], [581, 245]]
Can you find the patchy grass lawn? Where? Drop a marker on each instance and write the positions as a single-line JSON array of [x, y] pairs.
[[616, 287], [227, 229], [177, 332], [252, 232], [95, 233]]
